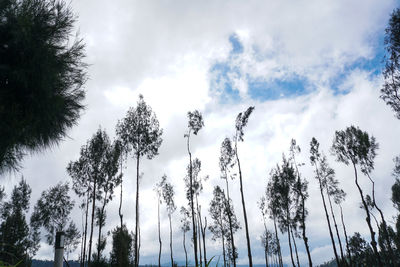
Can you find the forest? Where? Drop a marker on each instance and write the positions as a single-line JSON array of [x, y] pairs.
[[34, 40]]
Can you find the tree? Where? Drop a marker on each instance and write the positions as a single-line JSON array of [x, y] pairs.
[[241, 122], [354, 146], [159, 191], [18, 241], [185, 227], [219, 227], [262, 205], [106, 187], [362, 253], [52, 212], [168, 196], [301, 187], [322, 173], [195, 123], [41, 77], [140, 134], [121, 253], [226, 163], [391, 72], [283, 199]]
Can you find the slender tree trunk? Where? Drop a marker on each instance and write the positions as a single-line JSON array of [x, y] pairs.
[[91, 225], [266, 243], [368, 218], [85, 231], [196, 261], [290, 245], [184, 248], [327, 217], [199, 237], [295, 247], [336, 228], [244, 209], [230, 224], [203, 233], [159, 233], [170, 239], [137, 237], [120, 200], [384, 225], [305, 238], [278, 244], [345, 235], [223, 246], [101, 226]]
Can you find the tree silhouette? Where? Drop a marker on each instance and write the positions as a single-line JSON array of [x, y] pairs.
[[391, 72], [322, 173], [283, 198], [52, 212], [356, 147], [158, 189], [41, 77], [168, 196], [140, 134], [195, 123], [18, 241], [121, 252], [241, 122], [301, 187], [185, 227], [226, 163]]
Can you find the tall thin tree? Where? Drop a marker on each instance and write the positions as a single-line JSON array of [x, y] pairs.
[[354, 146], [241, 122], [195, 123], [140, 134], [168, 196], [159, 191], [185, 227]]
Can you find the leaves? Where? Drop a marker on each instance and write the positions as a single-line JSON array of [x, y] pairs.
[[241, 122]]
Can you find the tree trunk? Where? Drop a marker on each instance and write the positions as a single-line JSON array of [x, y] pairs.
[[203, 232], [244, 210], [345, 235], [199, 238], [388, 243], [336, 228], [100, 226], [295, 247], [91, 225], [170, 240], [327, 217], [368, 218], [137, 213], [120, 200], [266, 243], [159, 233], [230, 224], [192, 204], [290, 245], [184, 248], [278, 244], [85, 232], [223, 248]]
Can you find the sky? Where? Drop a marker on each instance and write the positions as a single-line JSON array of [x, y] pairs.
[[309, 68]]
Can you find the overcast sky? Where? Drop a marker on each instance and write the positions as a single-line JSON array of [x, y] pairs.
[[308, 67]]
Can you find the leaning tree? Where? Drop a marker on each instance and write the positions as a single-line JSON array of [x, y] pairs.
[[140, 134]]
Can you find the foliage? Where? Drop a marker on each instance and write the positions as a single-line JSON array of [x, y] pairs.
[[391, 72], [121, 253], [18, 242], [41, 77]]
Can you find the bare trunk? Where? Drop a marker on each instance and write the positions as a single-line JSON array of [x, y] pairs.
[[170, 240], [290, 246], [159, 233], [184, 248], [345, 235], [368, 218], [295, 247], [203, 233], [266, 243], [336, 228], [230, 224], [85, 231], [100, 227], [244, 210], [137, 235], [120, 200], [192, 204], [91, 226], [278, 244]]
